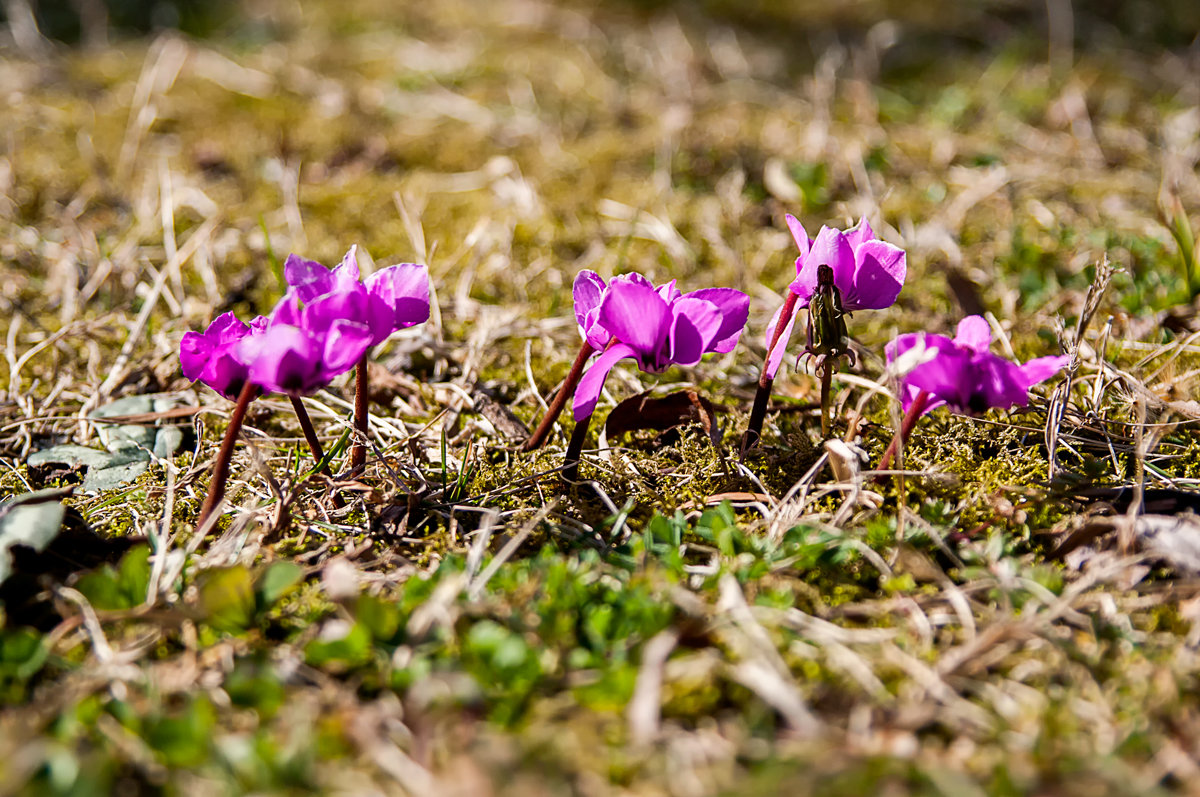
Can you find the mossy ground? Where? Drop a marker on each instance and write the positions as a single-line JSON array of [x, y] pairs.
[[464, 624]]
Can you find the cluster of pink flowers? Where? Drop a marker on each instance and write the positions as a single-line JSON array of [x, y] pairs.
[[320, 329], [330, 318]]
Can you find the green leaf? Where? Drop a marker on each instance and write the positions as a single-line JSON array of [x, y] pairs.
[[183, 739], [22, 653], [340, 647], [227, 598], [277, 580], [105, 469], [33, 520], [381, 617]]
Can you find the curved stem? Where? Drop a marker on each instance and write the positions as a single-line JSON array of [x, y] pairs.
[[538, 438], [220, 473], [358, 451], [906, 426], [762, 396]]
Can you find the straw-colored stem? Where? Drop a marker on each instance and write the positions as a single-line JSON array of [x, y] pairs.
[[826, 382]]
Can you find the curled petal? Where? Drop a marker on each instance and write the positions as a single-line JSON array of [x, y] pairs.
[[775, 354], [830, 248], [860, 233], [587, 291], [588, 391], [735, 309], [800, 236], [404, 291], [195, 350], [225, 329], [695, 326], [307, 278], [668, 291], [879, 272]]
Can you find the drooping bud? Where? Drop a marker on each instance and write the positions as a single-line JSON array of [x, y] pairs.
[[827, 335]]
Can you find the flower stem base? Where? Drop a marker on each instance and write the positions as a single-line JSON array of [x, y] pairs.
[[906, 426], [538, 438], [220, 473], [358, 451], [575, 450]]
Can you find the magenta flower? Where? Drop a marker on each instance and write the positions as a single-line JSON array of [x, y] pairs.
[[391, 299], [963, 375], [590, 289], [629, 318], [867, 272], [210, 356], [300, 351]]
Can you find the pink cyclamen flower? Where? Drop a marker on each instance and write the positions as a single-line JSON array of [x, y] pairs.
[[302, 350], [630, 318], [210, 356], [393, 298], [867, 272], [590, 289], [963, 375]]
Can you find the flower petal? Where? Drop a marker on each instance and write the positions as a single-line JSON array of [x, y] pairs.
[[352, 305], [974, 333], [587, 291], [404, 291], [879, 272], [1042, 368], [668, 291], [735, 310], [696, 325], [195, 350], [588, 391], [635, 315], [283, 359], [799, 235], [225, 329], [860, 233], [345, 344], [346, 273], [308, 278], [947, 376], [830, 248], [775, 355]]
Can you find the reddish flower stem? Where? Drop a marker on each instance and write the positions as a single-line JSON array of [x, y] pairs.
[[358, 451], [575, 450], [310, 432], [314, 444], [220, 473], [906, 427], [762, 396], [538, 438]]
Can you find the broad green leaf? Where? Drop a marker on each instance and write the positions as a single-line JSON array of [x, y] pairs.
[[227, 598], [277, 580]]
